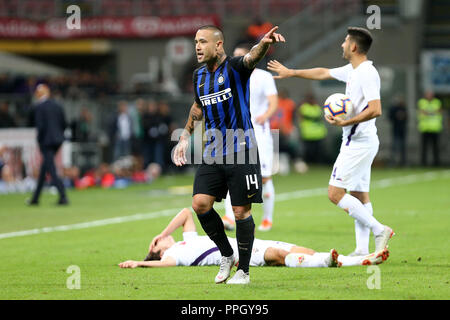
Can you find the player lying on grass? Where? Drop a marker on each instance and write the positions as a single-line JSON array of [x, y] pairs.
[[197, 250]]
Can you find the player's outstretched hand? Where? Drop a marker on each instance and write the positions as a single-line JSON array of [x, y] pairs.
[[275, 66], [129, 264], [272, 37], [179, 154]]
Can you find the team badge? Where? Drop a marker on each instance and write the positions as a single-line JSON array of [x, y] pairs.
[[221, 79]]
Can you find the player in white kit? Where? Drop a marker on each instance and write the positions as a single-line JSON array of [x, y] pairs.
[[263, 104], [197, 250], [351, 171]]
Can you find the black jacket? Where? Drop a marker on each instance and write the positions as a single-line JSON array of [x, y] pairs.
[[50, 122]]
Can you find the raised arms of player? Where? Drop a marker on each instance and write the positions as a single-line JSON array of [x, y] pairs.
[[311, 74], [259, 50], [182, 219], [195, 115]]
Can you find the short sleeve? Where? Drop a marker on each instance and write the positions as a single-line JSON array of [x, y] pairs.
[[237, 63], [195, 86], [371, 85], [173, 252], [341, 73], [189, 235]]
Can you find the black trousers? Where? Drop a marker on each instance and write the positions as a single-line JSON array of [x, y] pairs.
[[430, 139], [48, 166], [313, 151]]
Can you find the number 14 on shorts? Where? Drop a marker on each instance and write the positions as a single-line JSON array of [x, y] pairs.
[[251, 179]]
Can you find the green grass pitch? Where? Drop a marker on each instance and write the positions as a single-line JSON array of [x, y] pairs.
[[414, 202]]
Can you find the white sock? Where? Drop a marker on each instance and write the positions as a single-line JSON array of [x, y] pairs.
[[350, 261], [228, 208], [360, 213], [269, 200], [302, 260], [362, 233]]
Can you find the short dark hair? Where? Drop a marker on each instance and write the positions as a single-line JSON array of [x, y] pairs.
[[213, 28], [153, 256], [362, 37]]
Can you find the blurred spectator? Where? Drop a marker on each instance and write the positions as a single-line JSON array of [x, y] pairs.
[[5, 170], [166, 128], [121, 131], [6, 84], [70, 176], [82, 128], [312, 130], [137, 113], [6, 120], [6, 174], [154, 146], [283, 121], [430, 125], [258, 29], [398, 116], [50, 122], [73, 84], [254, 33]]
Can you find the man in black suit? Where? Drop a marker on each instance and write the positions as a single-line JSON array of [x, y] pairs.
[[50, 123]]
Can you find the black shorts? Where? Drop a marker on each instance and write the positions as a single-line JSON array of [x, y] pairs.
[[244, 182]]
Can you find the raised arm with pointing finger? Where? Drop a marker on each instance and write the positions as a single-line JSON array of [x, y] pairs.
[[311, 74]]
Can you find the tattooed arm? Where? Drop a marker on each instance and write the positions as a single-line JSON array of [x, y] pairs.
[[260, 50], [195, 115]]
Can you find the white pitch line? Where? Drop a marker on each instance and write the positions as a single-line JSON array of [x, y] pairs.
[[379, 184]]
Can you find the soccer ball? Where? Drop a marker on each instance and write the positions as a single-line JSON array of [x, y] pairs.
[[338, 105]]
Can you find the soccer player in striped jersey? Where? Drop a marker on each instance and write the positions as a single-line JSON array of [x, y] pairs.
[[351, 171], [230, 160], [263, 104]]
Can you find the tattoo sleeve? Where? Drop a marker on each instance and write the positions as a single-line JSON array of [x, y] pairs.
[[255, 55], [195, 114]]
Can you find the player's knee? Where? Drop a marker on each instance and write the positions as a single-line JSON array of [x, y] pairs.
[[241, 212], [200, 207]]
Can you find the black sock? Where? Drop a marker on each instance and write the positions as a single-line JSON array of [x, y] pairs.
[[213, 226], [245, 234]]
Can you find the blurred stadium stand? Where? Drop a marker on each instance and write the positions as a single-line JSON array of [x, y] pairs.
[[97, 72]]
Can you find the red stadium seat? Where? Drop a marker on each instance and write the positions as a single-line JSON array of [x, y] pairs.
[[40, 10], [117, 8]]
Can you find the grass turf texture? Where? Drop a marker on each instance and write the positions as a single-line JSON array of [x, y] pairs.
[[34, 266]]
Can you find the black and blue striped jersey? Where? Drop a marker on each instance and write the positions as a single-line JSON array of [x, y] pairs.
[[224, 96]]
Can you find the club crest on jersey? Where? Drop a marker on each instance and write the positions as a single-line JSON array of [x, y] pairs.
[[214, 98], [220, 79]]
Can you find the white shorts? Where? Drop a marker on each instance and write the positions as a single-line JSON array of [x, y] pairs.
[[351, 171], [265, 149], [260, 247]]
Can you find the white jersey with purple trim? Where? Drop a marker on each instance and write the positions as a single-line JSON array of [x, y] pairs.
[[262, 85], [192, 247], [202, 249], [363, 85]]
